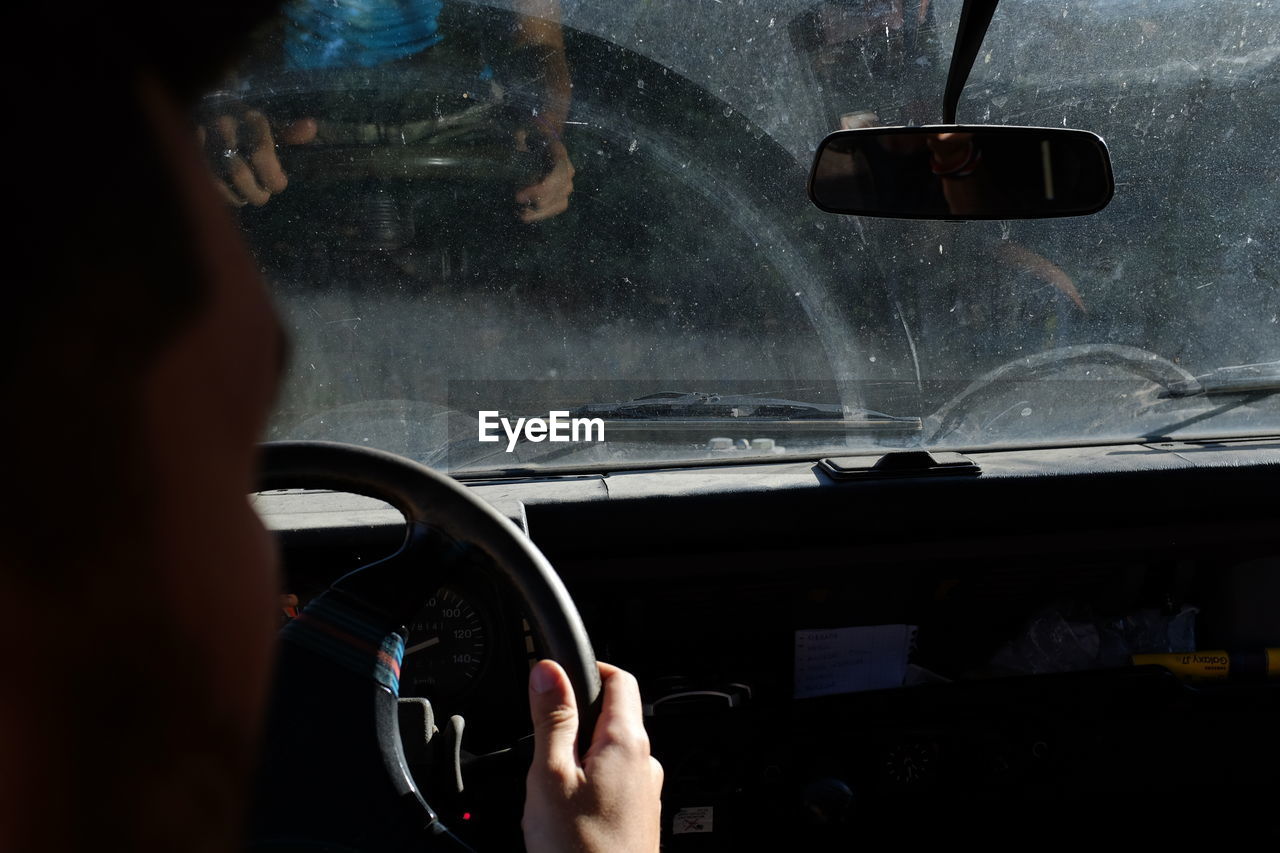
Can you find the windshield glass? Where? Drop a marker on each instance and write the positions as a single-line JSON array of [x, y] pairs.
[[549, 233]]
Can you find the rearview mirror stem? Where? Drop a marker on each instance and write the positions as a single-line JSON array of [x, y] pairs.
[[975, 17]]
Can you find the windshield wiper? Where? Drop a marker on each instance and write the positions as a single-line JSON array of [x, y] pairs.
[[705, 425], [1236, 379], [682, 411]]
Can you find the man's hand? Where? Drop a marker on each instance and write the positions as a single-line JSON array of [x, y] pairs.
[[550, 196], [242, 153], [609, 801]]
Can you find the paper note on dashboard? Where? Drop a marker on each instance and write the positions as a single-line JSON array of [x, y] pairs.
[[846, 660]]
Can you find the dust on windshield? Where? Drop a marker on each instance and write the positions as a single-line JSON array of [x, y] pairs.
[[543, 233]]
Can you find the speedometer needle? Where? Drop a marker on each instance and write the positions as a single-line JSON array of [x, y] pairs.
[[425, 644]]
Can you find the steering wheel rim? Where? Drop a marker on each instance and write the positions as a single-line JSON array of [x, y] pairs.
[[409, 124], [332, 663]]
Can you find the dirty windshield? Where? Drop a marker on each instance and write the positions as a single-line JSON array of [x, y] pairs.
[[568, 233]]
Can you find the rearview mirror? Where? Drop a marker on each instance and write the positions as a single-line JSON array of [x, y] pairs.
[[962, 172]]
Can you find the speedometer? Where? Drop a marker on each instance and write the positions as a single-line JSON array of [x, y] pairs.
[[447, 647]]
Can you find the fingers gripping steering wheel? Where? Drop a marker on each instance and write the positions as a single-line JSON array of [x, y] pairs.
[[334, 775]]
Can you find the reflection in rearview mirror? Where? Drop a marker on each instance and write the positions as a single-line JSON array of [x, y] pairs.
[[962, 172]]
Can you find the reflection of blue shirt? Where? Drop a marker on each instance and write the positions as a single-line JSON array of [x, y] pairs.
[[358, 33]]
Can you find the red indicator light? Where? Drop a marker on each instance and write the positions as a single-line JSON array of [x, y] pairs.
[[466, 815]]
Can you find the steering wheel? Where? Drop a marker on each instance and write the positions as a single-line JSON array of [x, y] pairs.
[[399, 125], [334, 774]]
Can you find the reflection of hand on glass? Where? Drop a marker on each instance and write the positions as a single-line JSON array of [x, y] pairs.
[[550, 195], [242, 154], [1019, 257], [539, 29]]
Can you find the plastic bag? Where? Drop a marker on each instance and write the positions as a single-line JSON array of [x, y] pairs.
[[1066, 638]]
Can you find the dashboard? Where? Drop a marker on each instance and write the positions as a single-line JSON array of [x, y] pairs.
[[707, 582]]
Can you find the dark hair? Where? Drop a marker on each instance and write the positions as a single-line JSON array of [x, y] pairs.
[[101, 271]]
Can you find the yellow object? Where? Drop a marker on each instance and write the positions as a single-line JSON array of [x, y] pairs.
[[1215, 665], [1193, 666]]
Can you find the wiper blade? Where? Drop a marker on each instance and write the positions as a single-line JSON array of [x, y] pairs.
[[1236, 379], [681, 410], [682, 404]]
